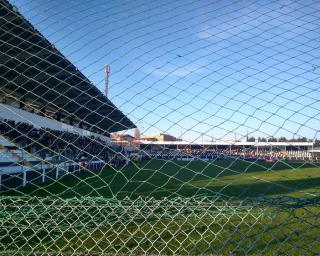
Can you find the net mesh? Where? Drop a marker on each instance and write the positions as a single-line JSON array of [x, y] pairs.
[[159, 127]]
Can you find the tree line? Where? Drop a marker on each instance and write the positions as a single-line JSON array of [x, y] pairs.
[[284, 139]]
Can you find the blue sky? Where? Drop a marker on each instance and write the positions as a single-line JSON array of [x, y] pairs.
[[193, 68]]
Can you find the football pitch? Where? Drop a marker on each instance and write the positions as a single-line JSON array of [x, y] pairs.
[[171, 207], [161, 178]]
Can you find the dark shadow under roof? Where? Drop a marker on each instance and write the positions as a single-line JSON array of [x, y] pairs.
[[31, 66]]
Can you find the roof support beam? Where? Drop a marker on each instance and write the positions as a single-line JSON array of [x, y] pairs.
[[22, 55]]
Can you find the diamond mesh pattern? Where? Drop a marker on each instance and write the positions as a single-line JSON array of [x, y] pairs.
[[207, 142]]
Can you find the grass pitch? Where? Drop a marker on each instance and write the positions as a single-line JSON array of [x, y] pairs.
[[160, 178], [169, 207]]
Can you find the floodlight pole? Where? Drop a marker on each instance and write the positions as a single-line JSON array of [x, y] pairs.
[[107, 72]]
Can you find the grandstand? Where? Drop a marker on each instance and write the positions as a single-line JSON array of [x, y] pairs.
[[295, 151], [46, 103], [17, 166]]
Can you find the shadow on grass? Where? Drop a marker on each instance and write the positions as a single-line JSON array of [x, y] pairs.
[[255, 189], [162, 179]]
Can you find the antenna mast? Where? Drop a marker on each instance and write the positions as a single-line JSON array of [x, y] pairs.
[[107, 72]]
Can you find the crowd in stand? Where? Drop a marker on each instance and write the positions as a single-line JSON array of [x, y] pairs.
[[46, 142], [208, 155], [222, 154]]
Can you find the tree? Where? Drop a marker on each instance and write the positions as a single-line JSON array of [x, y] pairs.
[[316, 143], [251, 139], [261, 139], [282, 139], [302, 139]]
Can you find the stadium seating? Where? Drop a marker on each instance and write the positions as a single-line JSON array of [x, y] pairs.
[[249, 154], [15, 164], [19, 115], [19, 167], [62, 150], [10, 155], [6, 159], [44, 142], [5, 142], [299, 155]]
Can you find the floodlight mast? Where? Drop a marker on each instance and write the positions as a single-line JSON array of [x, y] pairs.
[[107, 72]]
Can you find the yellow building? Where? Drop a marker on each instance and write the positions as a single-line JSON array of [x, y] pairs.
[[159, 137]]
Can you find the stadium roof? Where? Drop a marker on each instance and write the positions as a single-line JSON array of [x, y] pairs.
[[33, 68], [230, 143]]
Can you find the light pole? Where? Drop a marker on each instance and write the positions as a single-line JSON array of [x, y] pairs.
[[107, 73]]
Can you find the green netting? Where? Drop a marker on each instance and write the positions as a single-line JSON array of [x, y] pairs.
[[159, 127]]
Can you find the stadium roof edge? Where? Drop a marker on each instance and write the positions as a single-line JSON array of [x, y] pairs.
[[46, 75], [229, 143]]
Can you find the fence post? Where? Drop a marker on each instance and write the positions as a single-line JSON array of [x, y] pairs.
[[43, 175], [57, 173], [24, 178]]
